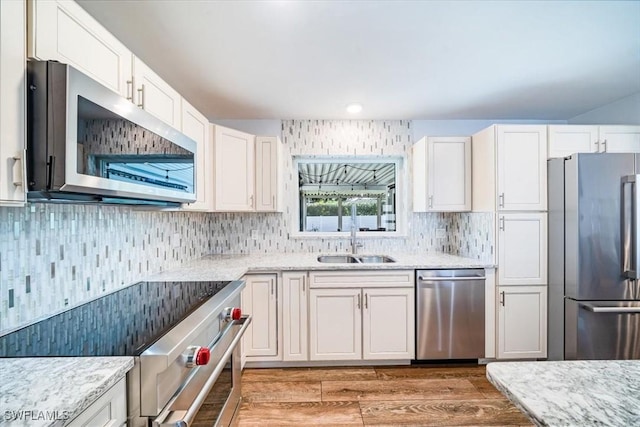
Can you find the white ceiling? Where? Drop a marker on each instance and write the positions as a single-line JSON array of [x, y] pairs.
[[401, 59]]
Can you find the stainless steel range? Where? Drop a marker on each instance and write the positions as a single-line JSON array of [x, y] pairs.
[[185, 338]]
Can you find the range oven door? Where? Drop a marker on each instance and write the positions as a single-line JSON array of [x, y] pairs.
[[211, 397]]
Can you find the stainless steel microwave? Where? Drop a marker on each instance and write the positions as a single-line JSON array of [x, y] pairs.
[[86, 143]]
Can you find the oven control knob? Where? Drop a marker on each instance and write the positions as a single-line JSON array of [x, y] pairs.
[[197, 356], [232, 313]]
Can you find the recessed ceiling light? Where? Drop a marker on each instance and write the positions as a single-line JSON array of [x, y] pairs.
[[354, 108]]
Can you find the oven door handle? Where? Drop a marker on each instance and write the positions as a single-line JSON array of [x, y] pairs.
[[165, 419]]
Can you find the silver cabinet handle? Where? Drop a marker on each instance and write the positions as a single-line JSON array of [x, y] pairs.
[[430, 201], [597, 144], [20, 178], [501, 200], [141, 97], [501, 223], [630, 249], [130, 90], [502, 298], [304, 280], [449, 279], [366, 300], [251, 200], [359, 296], [272, 286], [604, 146], [274, 202]]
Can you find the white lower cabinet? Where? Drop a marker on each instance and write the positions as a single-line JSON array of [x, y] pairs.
[[108, 410], [388, 323], [372, 322], [522, 322], [335, 324], [259, 299], [295, 316]]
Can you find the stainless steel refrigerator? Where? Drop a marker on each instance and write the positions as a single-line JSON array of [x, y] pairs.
[[594, 257]]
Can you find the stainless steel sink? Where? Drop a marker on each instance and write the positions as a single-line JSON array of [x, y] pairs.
[[343, 259], [355, 259], [374, 259]]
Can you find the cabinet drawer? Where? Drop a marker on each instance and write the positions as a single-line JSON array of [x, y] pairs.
[[363, 278], [109, 410]]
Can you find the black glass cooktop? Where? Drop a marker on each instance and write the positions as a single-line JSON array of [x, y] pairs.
[[123, 323]]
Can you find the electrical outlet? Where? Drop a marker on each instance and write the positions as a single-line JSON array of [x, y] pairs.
[[441, 233], [254, 234]]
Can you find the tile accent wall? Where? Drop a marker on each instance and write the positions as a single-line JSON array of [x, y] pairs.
[[54, 257], [345, 138]]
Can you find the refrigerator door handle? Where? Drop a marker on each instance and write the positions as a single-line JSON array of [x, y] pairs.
[[630, 250], [608, 309]]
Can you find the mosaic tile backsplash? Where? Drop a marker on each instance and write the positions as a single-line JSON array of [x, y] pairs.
[[55, 257]]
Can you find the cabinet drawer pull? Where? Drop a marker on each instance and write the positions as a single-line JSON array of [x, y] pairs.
[[271, 286], [20, 176], [359, 296], [366, 300], [501, 200], [304, 280], [604, 146], [501, 223], [141, 97], [502, 298], [130, 90], [431, 201]]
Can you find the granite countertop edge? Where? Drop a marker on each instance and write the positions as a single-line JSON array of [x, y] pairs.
[[233, 267], [66, 386]]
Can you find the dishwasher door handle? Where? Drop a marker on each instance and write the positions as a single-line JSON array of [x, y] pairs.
[[449, 279]]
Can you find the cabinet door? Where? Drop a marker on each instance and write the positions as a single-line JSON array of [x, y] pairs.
[[62, 30], [565, 140], [267, 173], [442, 174], [522, 167], [522, 322], [12, 102], [295, 318], [259, 300], [335, 325], [196, 126], [388, 323], [620, 139], [154, 95], [522, 249], [234, 173]]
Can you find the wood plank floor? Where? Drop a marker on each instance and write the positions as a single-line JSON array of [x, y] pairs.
[[392, 396]]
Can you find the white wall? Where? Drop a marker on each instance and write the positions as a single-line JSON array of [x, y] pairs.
[[423, 128], [625, 111], [255, 127]]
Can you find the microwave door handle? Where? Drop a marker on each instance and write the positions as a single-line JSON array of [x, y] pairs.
[[608, 309], [630, 229]]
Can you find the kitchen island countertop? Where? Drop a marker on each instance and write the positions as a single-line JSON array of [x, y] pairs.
[[51, 391], [572, 393], [233, 267]]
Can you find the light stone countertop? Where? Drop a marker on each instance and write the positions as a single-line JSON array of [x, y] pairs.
[[233, 267], [572, 393], [50, 391]]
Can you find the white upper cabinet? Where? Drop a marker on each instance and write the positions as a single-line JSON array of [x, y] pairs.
[[620, 139], [12, 103], [268, 180], [196, 126], [565, 140], [154, 95], [509, 166], [522, 248], [442, 174], [234, 170], [61, 30]]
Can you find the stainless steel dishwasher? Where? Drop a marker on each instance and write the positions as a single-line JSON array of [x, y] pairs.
[[450, 314]]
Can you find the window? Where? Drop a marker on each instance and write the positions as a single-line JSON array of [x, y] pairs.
[[332, 192]]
